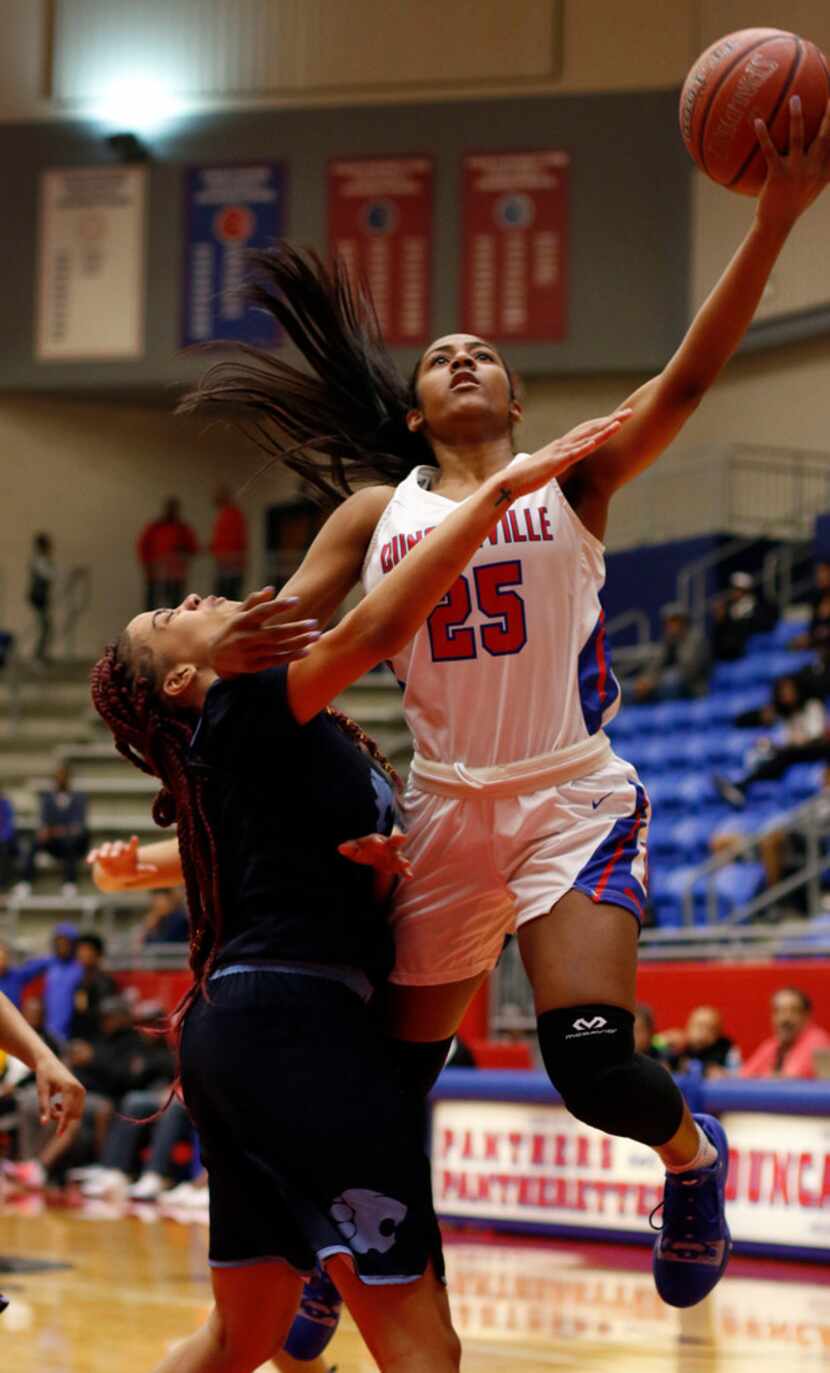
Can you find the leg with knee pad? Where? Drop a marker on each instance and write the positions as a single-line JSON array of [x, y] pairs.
[[589, 1055]]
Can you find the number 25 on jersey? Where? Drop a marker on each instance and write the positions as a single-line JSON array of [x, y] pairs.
[[452, 639]]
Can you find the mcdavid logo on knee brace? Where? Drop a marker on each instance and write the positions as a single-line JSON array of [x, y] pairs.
[[595, 1023]]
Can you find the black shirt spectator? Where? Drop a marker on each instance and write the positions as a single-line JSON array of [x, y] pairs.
[[704, 1044], [95, 987], [62, 830], [121, 1060], [741, 612], [166, 922]]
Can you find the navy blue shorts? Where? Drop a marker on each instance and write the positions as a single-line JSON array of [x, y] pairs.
[[311, 1146]]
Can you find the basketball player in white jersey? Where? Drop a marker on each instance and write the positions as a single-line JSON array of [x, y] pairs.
[[520, 816]]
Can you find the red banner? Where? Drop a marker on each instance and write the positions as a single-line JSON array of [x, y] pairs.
[[514, 282], [380, 222]]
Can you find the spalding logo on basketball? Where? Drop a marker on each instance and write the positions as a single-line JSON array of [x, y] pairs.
[[744, 76]]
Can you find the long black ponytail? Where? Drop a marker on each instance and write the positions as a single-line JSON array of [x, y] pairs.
[[339, 420]]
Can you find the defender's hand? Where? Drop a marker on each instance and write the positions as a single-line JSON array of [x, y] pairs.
[[116, 865], [382, 852], [259, 636]]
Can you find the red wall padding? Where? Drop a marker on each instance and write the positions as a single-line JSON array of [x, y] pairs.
[[741, 991]]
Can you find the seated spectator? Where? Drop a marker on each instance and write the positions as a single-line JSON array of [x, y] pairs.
[[15, 977], [119, 1062], [789, 1050], [62, 833], [739, 613], [127, 1135], [8, 842], [95, 987], [681, 664], [644, 1032], [703, 1047], [799, 736], [817, 636], [61, 977], [166, 921]]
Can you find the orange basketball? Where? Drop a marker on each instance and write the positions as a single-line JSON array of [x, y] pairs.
[[741, 77]]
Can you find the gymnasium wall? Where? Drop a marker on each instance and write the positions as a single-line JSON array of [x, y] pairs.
[[92, 473]]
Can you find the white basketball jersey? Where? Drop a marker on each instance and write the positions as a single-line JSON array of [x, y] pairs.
[[512, 662]]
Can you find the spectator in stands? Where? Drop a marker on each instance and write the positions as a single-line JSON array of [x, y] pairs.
[[681, 664], [15, 978], [41, 586], [644, 1032], [62, 833], [703, 1047], [817, 636], [8, 841], [229, 546], [799, 736], [790, 1048], [94, 988], [739, 613], [61, 978], [166, 921], [120, 1156], [120, 1061], [165, 548]]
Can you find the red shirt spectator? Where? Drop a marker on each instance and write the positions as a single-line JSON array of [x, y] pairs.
[[167, 544], [229, 546], [789, 1050]]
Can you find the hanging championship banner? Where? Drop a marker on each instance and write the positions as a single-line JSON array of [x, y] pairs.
[[380, 223], [90, 297], [515, 241], [228, 210]]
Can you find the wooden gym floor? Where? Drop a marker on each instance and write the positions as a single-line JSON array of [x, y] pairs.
[[135, 1283]]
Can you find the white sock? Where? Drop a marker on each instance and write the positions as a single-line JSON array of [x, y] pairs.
[[704, 1158]]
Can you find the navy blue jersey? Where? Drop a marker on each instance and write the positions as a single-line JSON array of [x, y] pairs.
[[280, 798]]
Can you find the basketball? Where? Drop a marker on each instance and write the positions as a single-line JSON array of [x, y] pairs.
[[744, 76]]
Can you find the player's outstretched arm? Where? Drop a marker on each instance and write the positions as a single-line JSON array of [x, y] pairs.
[[384, 622], [60, 1095], [662, 406]]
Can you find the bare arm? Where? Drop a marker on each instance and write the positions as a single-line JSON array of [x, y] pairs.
[[662, 406], [119, 866], [333, 563], [60, 1095], [391, 614]]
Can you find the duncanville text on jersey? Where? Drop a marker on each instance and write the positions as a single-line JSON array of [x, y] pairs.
[[516, 526]]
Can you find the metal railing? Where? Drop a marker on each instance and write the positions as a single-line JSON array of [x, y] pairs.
[[811, 821]]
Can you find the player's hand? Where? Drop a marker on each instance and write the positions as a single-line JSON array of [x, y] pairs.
[[60, 1095], [537, 469], [116, 865], [796, 178], [259, 635], [382, 852]]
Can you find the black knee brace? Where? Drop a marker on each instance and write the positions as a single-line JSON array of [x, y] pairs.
[[589, 1055]]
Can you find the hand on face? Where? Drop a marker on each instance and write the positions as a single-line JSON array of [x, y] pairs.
[[258, 635]]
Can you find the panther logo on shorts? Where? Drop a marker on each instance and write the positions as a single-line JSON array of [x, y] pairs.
[[368, 1220]]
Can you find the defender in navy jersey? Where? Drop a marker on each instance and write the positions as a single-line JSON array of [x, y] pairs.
[[519, 814], [312, 1145]]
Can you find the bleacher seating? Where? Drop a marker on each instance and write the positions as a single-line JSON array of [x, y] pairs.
[[677, 746]]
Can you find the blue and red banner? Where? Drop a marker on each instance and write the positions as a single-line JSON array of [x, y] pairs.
[[228, 210]]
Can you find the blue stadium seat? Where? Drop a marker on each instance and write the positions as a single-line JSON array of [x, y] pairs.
[[690, 838], [737, 884], [664, 795], [804, 780]]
